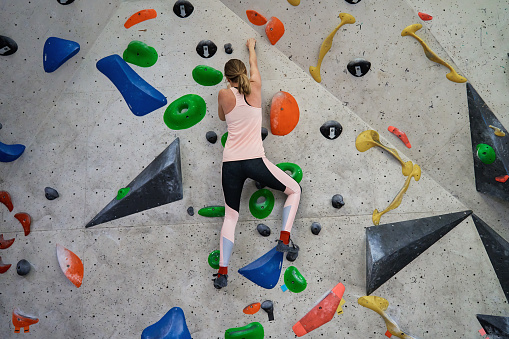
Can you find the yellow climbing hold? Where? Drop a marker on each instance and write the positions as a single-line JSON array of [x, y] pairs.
[[452, 75], [498, 131], [340, 309], [294, 2]]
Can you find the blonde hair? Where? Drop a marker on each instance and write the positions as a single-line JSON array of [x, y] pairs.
[[236, 71]]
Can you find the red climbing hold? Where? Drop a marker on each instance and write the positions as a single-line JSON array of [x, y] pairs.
[[401, 135], [274, 30], [25, 220], [5, 243], [284, 113], [388, 334], [4, 267], [252, 309], [5, 199], [424, 16], [256, 18], [71, 265], [502, 178], [22, 321], [136, 18]]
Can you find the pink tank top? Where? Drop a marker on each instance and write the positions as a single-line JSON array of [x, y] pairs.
[[244, 131]]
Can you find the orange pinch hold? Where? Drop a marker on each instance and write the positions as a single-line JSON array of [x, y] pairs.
[[22, 321], [4, 267], [401, 135], [5, 243], [252, 309], [284, 113], [136, 18], [71, 265], [256, 18], [502, 178], [274, 30], [5, 199], [424, 16], [25, 220]]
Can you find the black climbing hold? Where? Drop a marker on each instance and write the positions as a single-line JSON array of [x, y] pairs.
[[498, 252], [0, 126], [211, 137], [316, 228], [358, 67], [228, 48], [259, 185], [158, 184], [337, 201], [353, 1], [268, 306], [7, 46], [190, 210], [51, 193], [331, 129], [265, 132], [183, 8], [206, 48], [263, 230], [495, 327], [390, 247], [65, 2], [23, 267]]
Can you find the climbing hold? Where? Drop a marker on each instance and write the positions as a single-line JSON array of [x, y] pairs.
[[264, 271], [140, 16], [5, 243], [228, 48], [139, 95], [284, 113], [294, 280], [268, 306], [185, 112], [122, 193], [250, 331], [214, 259], [57, 51], [5, 198], [294, 2], [24, 321], [337, 201], [207, 76], [0, 126], [158, 184], [4, 267], [140, 54], [25, 220], [23, 267], [7, 46], [331, 129], [316, 228], [71, 265], [255, 18], [496, 327], [252, 308], [353, 1], [358, 67], [171, 326], [340, 309], [263, 229], [502, 178], [224, 137], [424, 16], [65, 2], [190, 210], [452, 75], [401, 135], [274, 30], [212, 211], [265, 132], [10, 153], [183, 8], [50, 193], [322, 313], [211, 137], [486, 153], [261, 209], [498, 132], [327, 44], [294, 169], [206, 49]]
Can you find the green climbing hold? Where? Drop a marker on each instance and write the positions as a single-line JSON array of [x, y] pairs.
[[214, 259], [250, 331], [295, 170], [122, 192], [185, 112], [223, 139], [486, 153], [261, 210], [295, 281], [212, 211], [207, 76], [140, 54]]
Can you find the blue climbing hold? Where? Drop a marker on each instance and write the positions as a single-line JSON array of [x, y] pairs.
[[10, 153], [171, 326], [139, 95], [57, 51], [265, 271]]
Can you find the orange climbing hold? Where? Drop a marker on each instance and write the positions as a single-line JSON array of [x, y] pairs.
[[25, 220], [5, 243], [22, 321], [424, 16], [284, 113], [136, 18], [252, 309], [274, 30], [71, 265], [4, 267], [502, 178], [256, 18], [5, 199], [401, 135]]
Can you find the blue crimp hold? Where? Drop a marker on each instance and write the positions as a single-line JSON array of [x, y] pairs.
[[57, 51]]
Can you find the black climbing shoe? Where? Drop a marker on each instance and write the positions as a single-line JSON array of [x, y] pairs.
[[220, 281], [292, 251]]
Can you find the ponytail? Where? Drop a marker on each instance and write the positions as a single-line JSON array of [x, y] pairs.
[[244, 84], [236, 71]]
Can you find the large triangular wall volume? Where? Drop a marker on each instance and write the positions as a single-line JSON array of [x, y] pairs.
[[481, 118], [390, 247], [498, 251], [158, 184], [495, 327]]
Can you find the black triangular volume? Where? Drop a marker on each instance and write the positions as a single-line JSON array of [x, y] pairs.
[[481, 117], [158, 184], [498, 251], [495, 327], [390, 247]]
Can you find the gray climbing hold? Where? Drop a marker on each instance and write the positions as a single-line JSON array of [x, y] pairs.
[[331, 129], [190, 210], [495, 327], [23, 267], [268, 306], [358, 67], [228, 48], [206, 49], [265, 132], [316, 228], [263, 229], [211, 137], [337, 201], [51, 193]]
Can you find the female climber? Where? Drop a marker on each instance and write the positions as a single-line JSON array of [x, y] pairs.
[[244, 157]]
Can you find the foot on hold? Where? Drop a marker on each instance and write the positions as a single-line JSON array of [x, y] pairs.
[[292, 251], [220, 281]]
